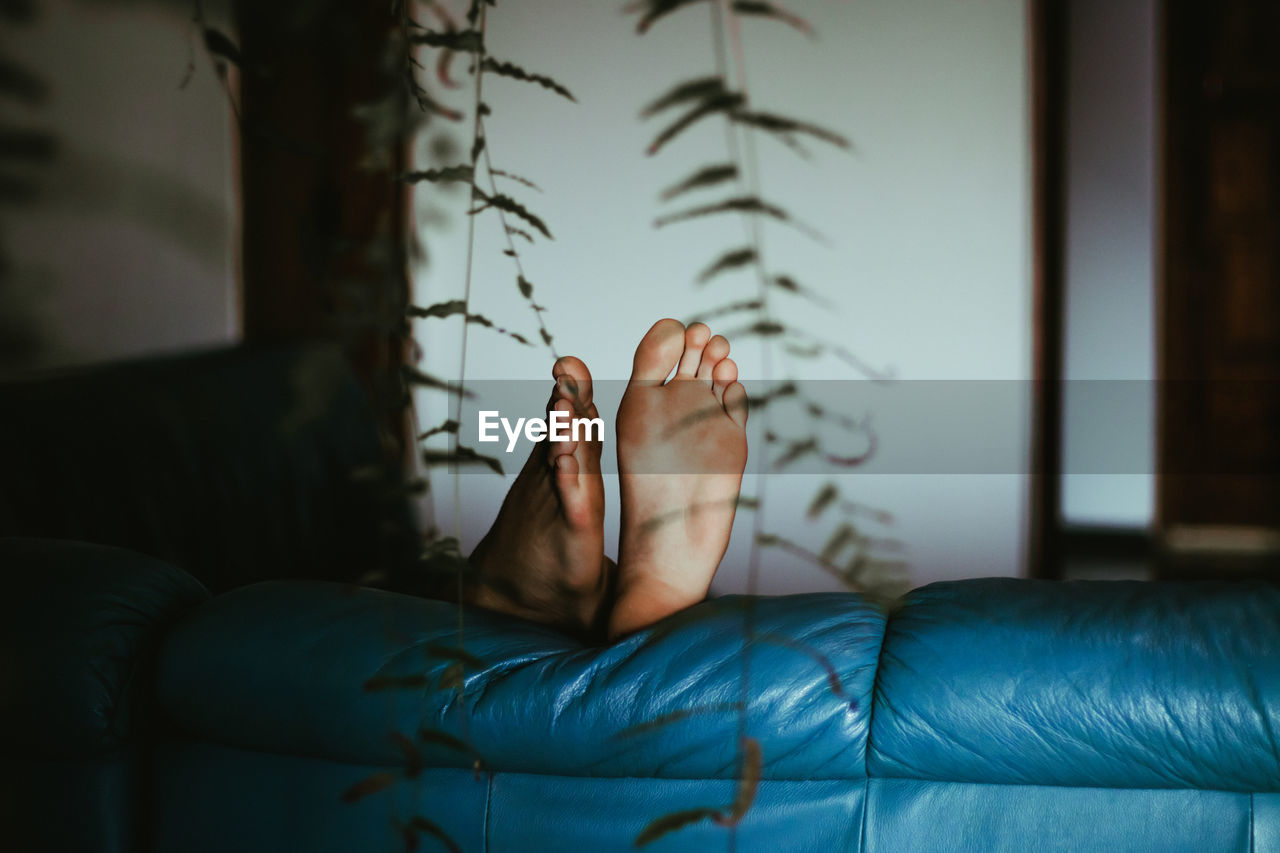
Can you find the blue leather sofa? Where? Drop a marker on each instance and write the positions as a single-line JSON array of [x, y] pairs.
[[142, 712]]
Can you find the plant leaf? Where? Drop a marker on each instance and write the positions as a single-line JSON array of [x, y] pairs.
[[669, 823], [462, 41], [731, 308], [515, 72], [698, 89], [435, 650], [369, 785], [825, 497], [412, 755], [797, 449], [730, 260], [749, 782], [741, 204], [440, 309], [453, 677], [773, 10], [526, 289], [833, 677], [421, 824], [844, 535], [519, 180], [461, 174], [707, 176], [457, 306], [414, 376], [724, 103], [786, 126], [450, 427], [654, 10], [460, 456], [446, 740], [217, 43], [510, 205], [519, 232]]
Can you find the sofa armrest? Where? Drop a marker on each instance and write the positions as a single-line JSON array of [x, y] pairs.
[[79, 622], [330, 671]]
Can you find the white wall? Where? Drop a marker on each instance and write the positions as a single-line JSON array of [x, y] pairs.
[[1110, 249], [129, 249], [929, 221]]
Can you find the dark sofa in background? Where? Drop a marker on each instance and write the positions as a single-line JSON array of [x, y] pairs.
[[179, 686]]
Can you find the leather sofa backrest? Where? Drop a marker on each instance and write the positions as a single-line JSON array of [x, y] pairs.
[[237, 465]]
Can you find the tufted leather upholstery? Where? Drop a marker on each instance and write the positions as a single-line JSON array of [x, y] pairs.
[[981, 715]]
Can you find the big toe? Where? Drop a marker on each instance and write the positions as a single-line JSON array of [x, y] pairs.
[[573, 380], [659, 351]]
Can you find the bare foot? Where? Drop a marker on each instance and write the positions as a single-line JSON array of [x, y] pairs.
[[682, 446], [543, 558]]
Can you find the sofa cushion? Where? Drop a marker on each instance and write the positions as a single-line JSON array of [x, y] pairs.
[[281, 666], [944, 817], [1093, 684]]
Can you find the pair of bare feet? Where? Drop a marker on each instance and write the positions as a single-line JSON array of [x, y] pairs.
[[682, 446]]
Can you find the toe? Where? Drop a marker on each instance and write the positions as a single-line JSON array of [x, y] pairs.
[[658, 352], [717, 349], [573, 498], [571, 373], [724, 374], [556, 449], [735, 403], [695, 340]]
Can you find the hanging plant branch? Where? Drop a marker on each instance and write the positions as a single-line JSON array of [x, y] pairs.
[[727, 95]]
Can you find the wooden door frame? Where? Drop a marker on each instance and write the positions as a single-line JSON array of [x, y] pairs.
[[1047, 46]]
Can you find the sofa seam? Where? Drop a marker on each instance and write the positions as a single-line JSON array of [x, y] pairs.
[[488, 805], [871, 719]]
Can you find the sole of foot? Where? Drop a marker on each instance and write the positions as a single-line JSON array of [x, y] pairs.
[[682, 447], [543, 558]]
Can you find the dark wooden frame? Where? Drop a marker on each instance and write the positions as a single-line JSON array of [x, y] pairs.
[[1047, 45]]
